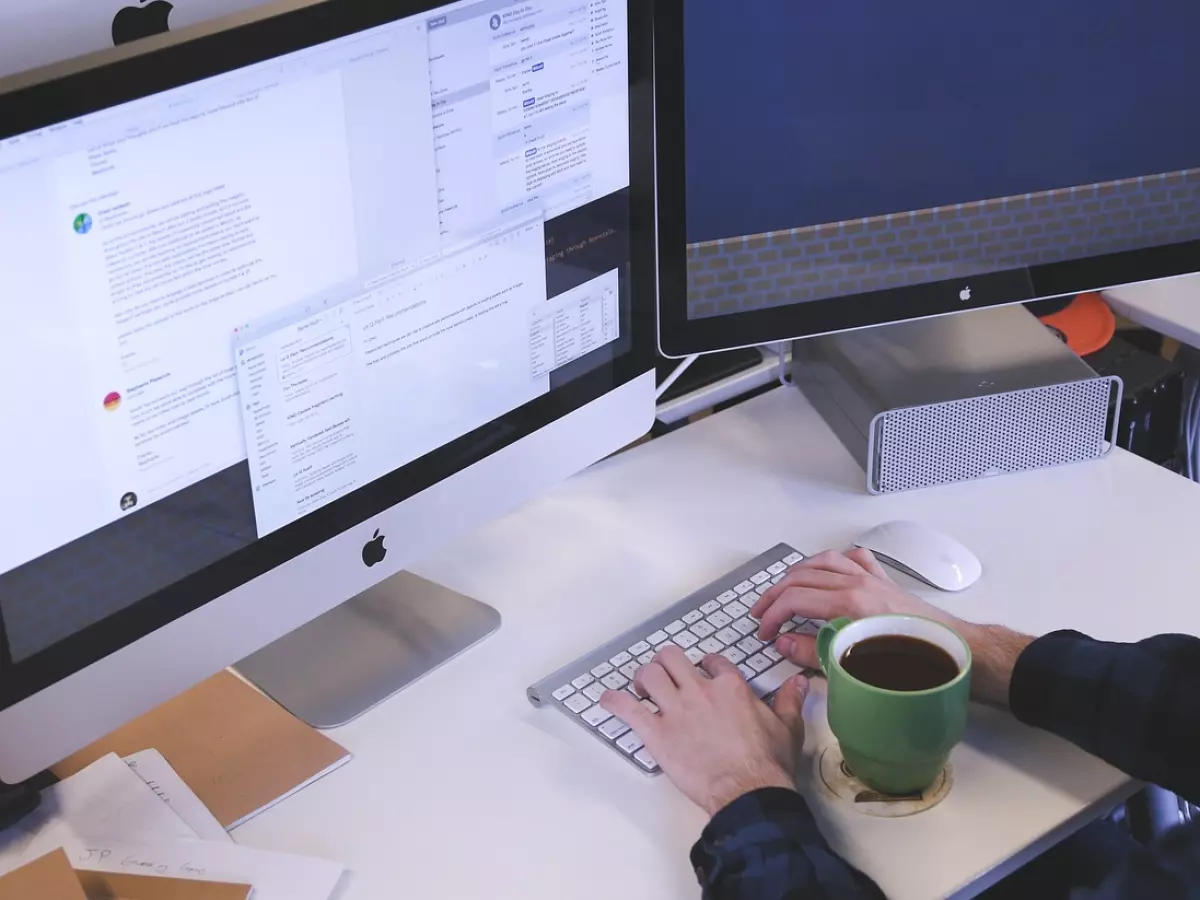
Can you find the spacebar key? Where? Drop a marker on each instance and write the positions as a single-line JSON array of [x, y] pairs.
[[771, 680]]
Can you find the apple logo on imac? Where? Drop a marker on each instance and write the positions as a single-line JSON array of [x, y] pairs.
[[374, 551], [135, 22]]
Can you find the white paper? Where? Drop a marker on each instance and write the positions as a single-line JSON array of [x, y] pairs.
[[105, 798], [152, 767], [274, 876]]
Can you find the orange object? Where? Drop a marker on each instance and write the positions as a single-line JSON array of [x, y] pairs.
[[1086, 323]]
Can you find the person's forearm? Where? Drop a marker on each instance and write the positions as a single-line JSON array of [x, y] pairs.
[[994, 654]]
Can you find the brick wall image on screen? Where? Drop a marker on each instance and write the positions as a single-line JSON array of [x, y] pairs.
[[813, 263]]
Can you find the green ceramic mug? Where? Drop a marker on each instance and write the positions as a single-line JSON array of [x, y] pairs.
[[895, 742]]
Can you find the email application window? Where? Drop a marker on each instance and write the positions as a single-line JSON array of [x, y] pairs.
[[339, 397]]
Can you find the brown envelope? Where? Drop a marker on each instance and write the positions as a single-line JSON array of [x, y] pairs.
[[51, 877]]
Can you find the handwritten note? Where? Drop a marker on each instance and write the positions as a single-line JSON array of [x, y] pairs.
[[153, 768], [275, 876], [105, 798]]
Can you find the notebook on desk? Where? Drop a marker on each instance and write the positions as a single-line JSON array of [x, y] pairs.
[[238, 750]]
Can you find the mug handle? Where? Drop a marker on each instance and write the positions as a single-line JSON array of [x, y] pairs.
[[825, 637]]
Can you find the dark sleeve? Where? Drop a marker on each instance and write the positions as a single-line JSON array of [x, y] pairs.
[[766, 846], [1168, 871], [1136, 706]]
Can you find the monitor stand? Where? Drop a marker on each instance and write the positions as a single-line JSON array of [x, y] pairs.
[[338, 666]]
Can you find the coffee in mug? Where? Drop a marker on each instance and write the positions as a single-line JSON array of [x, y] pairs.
[[897, 662]]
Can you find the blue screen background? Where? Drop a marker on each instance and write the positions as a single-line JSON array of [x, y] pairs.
[[800, 113]]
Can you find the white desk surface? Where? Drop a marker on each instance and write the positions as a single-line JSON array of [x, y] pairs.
[[460, 789], [1170, 306]]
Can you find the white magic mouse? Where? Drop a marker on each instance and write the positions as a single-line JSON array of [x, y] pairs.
[[924, 553]]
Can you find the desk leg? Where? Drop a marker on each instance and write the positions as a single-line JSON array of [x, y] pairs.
[[340, 665]]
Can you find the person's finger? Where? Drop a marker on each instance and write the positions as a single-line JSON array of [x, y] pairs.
[[817, 579], [716, 666], [626, 707], [678, 666], [865, 558], [789, 701], [808, 603], [800, 649], [653, 681]]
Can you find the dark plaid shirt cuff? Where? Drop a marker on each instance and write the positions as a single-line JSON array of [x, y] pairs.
[[766, 846]]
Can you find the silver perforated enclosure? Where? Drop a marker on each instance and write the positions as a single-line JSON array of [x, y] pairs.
[[962, 440]]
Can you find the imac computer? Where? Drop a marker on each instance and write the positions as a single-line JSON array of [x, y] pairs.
[[863, 163], [290, 301]]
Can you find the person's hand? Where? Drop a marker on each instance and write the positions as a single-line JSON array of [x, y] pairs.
[[827, 586], [712, 736]]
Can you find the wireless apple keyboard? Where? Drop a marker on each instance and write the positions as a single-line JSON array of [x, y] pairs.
[[715, 619]]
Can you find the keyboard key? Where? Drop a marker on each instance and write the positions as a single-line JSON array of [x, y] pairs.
[[620, 659], [657, 638], [650, 705], [733, 654], [702, 629], [577, 703], [712, 606], [613, 728], [661, 647], [770, 680], [736, 609], [694, 655], [809, 627], [762, 588], [563, 693], [777, 568], [630, 668], [594, 691], [745, 626], [686, 639], [711, 645], [582, 681], [674, 627], [726, 597], [639, 648], [646, 658], [630, 742], [693, 617], [759, 663], [792, 558], [778, 578], [718, 619], [749, 645], [760, 577], [772, 654], [728, 636], [743, 587], [603, 669], [787, 626], [746, 671], [614, 681], [645, 760], [597, 715]]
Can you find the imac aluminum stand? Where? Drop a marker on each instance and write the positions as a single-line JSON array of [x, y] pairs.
[[357, 655]]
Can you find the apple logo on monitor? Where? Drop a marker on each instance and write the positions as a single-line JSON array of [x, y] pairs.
[[135, 22], [374, 551]]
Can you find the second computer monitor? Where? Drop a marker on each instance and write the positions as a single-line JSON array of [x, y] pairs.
[[864, 162]]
